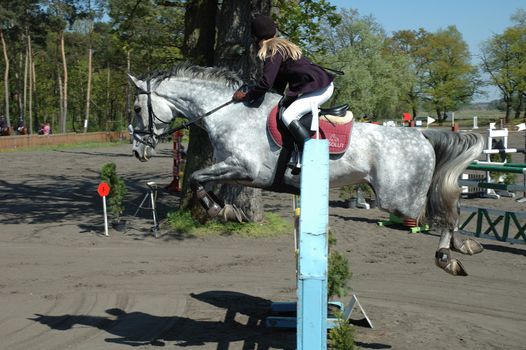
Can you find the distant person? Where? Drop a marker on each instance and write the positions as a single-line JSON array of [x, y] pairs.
[[4, 129], [21, 127], [45, 129]]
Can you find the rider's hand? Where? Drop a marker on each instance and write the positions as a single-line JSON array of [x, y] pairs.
[[239, 96]]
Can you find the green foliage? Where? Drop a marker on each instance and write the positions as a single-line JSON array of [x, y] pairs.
[[504, 61], [375, 79], [339, 275], [152, 32], [301, 21], [341, 337], [497, 176], [348, 191], [450, 78], [339, 271], [118, 189], [384, 76], [272, 225]]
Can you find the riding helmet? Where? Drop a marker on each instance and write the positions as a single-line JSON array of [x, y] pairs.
[[263, 27]]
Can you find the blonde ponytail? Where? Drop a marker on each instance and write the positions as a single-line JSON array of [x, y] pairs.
[[271, 46]]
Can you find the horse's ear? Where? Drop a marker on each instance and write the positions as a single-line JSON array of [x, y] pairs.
[[138, 83]]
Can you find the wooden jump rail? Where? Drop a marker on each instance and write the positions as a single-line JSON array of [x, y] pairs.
[[493, 217], [27, 141]]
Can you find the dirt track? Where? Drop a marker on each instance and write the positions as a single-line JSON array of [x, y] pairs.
[[64, 285]]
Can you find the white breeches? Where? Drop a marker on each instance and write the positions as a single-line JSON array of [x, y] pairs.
[[303, 104]]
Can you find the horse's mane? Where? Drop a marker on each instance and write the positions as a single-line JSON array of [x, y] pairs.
[[186, 70]]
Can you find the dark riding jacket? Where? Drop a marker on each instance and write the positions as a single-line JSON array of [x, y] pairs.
[[302, 76]]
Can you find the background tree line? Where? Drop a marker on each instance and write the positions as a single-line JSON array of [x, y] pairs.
[[65, 61]]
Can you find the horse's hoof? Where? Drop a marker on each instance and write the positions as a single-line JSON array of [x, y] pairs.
[[214, 210], [452, 266], [229, 213], [466, 246], [232, 213]]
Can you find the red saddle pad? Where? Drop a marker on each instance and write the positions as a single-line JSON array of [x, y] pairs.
[[338, 135]]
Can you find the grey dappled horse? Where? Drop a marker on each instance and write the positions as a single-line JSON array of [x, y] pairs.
[[413, 172]]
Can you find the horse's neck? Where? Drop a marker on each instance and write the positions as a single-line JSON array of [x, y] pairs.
[[201, 97], [193, 98]]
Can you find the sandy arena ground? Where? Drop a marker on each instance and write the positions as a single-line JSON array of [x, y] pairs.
[[64, 285]]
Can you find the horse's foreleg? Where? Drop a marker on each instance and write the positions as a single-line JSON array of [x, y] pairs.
[[443, 256], [206, 200], [220, 172]]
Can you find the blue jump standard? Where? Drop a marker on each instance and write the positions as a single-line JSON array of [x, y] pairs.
[[312, 315], [313, 247], [311, 309]]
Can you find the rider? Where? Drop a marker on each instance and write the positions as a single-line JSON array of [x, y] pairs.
[[20, 126], [3, 122], [284, 64]]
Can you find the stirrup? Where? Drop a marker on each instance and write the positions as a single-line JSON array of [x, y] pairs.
[[295, 161]]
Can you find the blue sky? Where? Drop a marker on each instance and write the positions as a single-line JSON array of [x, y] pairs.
[[477, 20]]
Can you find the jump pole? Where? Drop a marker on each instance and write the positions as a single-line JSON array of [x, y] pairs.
[[173, 186], [313, 247]]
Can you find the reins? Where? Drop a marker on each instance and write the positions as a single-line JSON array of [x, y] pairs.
[[188, 123], [151, 116]]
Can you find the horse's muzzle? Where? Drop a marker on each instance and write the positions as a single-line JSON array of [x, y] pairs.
[[143, 153]]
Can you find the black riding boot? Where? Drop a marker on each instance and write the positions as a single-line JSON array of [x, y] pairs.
[[300, 135]]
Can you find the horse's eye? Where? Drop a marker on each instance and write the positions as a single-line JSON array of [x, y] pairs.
[[137, 109]]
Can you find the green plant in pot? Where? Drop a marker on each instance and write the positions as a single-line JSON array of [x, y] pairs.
[[116, 196], [354, 194], [341, 337]]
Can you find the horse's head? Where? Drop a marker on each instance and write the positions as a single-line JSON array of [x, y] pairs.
[[153, 115]]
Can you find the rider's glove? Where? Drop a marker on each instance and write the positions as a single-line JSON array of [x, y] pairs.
[[239, 96]]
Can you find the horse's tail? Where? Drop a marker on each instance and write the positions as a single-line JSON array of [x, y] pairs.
[[453, 152]]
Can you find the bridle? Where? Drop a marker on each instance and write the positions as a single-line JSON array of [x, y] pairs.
[[151, 136]]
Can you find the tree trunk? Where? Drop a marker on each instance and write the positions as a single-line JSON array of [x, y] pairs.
[[199, 31], [508, 101], [35, 122], [88, 91], [64, 86], [198, 46], [128, 88], [30, 90], [19, 93], [108, 107], [233, 50], [518, 110], [6, 78], [25, 87], [61, 98]]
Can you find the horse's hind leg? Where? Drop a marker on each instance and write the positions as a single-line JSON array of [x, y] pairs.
[[464, 245], [443, 255]]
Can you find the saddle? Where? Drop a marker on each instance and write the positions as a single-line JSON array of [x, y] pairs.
[[335, 124]]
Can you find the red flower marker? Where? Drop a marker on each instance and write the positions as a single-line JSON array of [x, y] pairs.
[[104, 190]]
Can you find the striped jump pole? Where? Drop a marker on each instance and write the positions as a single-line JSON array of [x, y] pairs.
[[513, 168]]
